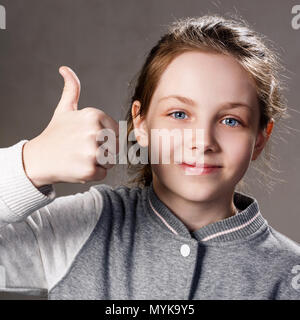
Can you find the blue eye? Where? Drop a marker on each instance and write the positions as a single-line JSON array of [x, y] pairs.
[[230, 122], [180, 114]]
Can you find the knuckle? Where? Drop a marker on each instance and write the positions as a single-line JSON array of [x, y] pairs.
[[92, 134], [90, 112], [94, 117], [86, 110], [91, 157], [90, 172], [101, 113]]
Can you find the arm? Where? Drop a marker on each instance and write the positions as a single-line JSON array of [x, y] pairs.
[[39, 234], [15, 187]]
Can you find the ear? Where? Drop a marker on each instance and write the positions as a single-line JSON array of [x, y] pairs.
[[140, 125], [262, 138]]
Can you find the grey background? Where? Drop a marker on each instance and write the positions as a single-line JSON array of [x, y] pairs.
[[106, 42]]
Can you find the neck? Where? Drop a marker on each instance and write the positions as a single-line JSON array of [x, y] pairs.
[[195, 214]]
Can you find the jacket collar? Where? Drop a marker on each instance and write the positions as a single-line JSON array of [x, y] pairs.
[[241, 225]]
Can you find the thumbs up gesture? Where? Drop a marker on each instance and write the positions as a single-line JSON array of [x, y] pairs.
[[67, 150]]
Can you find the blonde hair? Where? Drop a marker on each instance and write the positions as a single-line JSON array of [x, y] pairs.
[[220, 35]]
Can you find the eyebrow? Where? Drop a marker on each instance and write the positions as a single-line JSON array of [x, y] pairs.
[[189, 101]]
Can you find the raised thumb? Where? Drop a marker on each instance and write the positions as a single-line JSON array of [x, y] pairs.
[[71, 92]]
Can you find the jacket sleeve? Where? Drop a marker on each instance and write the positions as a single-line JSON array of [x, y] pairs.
[[40, 234]]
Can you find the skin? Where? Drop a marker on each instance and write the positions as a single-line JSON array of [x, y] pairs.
[[68, 148], [213, 81]]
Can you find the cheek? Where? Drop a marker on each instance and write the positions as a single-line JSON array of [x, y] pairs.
[[239, 151], [164, 145], [161, 150]]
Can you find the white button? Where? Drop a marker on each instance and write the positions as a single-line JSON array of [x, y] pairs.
[[185, 250]]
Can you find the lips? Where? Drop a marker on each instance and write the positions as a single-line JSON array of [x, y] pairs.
[[201, 165], [200, 169]]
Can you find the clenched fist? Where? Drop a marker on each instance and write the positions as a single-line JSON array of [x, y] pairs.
[[67, 150]]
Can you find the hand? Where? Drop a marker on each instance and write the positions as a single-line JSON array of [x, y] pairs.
[[67, 150]]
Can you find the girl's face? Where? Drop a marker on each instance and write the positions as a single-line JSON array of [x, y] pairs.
[[216, 94]]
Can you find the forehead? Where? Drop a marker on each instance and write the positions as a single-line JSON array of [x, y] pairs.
[[207, 77]]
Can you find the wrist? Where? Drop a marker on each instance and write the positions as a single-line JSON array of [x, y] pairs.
[[32, 165]]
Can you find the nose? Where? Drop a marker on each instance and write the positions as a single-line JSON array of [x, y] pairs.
[[206, 140]]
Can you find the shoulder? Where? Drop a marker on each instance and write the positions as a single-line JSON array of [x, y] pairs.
[[122, 213], [119, 193], [284, 245], [121, 199]]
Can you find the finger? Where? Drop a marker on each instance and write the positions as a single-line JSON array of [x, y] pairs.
[[71, 92], [109, 123], [104, 158], [108, 139]]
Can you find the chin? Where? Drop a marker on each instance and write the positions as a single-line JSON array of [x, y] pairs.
[[196, 193]]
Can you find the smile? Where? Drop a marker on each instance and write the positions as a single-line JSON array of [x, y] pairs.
[[199, 170]]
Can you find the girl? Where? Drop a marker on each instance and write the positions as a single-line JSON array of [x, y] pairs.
[[183, 232]]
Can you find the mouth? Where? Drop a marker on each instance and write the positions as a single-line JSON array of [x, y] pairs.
[[204, 165], [200, 169]]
